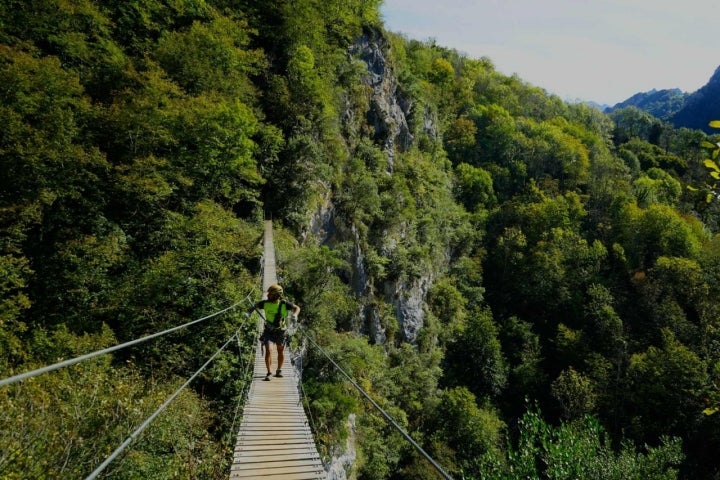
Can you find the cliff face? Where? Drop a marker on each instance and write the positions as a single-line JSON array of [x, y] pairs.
[[387, 117], [389, 114], [388, 111]]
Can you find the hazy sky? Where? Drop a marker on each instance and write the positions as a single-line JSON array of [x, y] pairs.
[[599, 50]]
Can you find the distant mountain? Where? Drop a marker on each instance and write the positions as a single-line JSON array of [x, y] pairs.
[[600, 106], [701, 107], [691, 110], [662, 104]]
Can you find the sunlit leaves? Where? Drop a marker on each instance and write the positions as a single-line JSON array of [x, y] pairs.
[[212, 56], [657, 186], [442, 72], [581, 449], [659, 230], [474, 187], [217, 148]]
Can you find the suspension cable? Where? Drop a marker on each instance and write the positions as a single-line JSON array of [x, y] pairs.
[[157, 412], [246, 384], [73, 361], [387, 417]]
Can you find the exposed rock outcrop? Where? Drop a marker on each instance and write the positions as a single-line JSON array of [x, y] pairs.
[[409, 298], [388, 110], [341, 465], [322, 221]]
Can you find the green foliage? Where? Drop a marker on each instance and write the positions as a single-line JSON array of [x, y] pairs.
[[469, 430], [448, 305], [460, 141], [657, 187], [65, 424], [577, 450], [548, 151], [671, 381], [474, 188], [710, 189], [441, 72], [674, 293], [475, 359], [657, 231], [652, 156], [212, 57], [575, 394]]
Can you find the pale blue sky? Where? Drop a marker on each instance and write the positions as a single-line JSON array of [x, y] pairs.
[[599, 50]]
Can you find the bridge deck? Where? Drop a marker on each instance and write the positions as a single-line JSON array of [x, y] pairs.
[[274, 441]]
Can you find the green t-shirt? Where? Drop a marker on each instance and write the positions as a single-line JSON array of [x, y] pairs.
[[270, 310]]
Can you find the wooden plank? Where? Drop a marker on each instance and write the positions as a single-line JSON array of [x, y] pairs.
[[279, 430], [290, 462], [270, 460], [280, 470], [281, 476], [278, 436], [270, 440], [300, 450], [269, 444]]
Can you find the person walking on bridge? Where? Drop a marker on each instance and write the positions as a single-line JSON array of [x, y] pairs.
[[277, 312]]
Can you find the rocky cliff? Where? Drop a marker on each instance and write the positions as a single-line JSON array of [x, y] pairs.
[[388, 115]]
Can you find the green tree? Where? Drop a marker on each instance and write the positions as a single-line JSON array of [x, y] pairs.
[[579, 449], [667, 384], [469, 430], [474, 187], [476, 360], [657, 186], [657, 231], [212, 56]]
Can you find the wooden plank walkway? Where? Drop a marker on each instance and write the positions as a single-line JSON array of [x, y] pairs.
[[274, 441]]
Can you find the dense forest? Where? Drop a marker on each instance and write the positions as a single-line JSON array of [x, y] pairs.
[[529, 287]]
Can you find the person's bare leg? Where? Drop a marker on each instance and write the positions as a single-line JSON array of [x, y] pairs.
[[268, 357], [281, 357]]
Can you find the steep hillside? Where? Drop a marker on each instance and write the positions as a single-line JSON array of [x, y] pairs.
[[526, 285], [701, 107]]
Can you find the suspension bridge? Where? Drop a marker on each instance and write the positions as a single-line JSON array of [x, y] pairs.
[[274, 439]]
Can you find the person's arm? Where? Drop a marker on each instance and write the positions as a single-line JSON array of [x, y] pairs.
[[295, 309], [257, 306]]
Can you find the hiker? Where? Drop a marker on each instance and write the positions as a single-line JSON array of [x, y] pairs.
[[276, 312]]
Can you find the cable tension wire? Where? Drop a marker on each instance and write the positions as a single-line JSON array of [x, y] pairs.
[[73, 361], [149, 420], [387, 417]]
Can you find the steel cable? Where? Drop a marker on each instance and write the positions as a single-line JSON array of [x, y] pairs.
[[152, 417], [387, 417], [73, 361], [246, 385]]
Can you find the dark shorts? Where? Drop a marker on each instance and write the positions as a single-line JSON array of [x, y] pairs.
[[277, 336]]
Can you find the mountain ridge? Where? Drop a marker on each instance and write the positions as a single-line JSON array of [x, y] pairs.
[[682, 109]]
